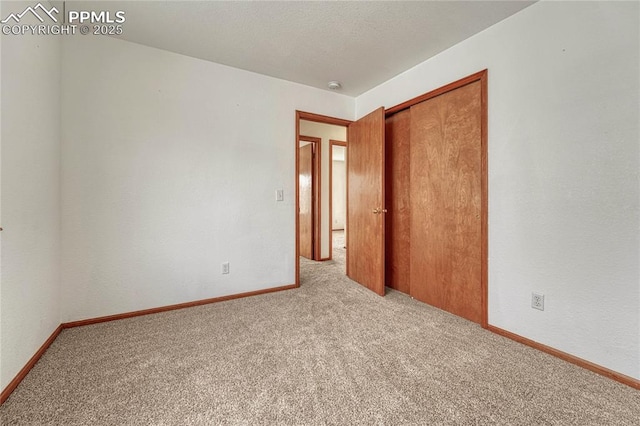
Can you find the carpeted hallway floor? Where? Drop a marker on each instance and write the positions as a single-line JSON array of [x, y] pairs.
[[329, 352]]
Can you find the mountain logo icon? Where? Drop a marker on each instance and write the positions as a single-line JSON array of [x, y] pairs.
[[34, 11]]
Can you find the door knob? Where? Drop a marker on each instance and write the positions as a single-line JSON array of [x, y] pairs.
[[379, 210]]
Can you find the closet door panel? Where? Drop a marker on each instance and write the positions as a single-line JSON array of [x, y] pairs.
[[445, 192], [397, 158]]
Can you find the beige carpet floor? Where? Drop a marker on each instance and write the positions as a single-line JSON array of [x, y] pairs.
[[330, 352]]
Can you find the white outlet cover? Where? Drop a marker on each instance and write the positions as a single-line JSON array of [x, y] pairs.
[[537, 301]]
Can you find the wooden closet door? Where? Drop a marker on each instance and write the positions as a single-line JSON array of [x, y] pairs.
[[397, 156], [446, 197]]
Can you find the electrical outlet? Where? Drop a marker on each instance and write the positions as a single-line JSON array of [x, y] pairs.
[[225, 267], [537, 301]]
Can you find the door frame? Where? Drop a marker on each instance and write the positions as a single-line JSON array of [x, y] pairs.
[[316, 182], [482, 77], [309, 116], [343, 144]]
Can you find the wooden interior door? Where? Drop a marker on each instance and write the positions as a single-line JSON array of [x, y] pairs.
[[365, 195], [305, 189], [446, 197]]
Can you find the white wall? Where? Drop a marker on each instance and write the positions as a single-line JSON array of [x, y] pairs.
[[563, 171], [170, 167], [163, 179], [339, 188], [2, 383], [30, 197], [326, 132]]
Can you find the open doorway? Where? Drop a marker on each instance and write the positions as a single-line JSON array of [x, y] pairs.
[[321, 129], [338, 200]]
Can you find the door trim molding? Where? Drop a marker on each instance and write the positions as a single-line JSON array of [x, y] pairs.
[[318, 118], [482, 77]]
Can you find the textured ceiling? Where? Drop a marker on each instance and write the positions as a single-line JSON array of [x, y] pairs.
[[361, 44]]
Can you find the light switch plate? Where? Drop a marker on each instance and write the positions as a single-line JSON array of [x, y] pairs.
[[279, 195]]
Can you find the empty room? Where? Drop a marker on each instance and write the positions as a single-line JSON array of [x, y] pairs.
[[301, 213]]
